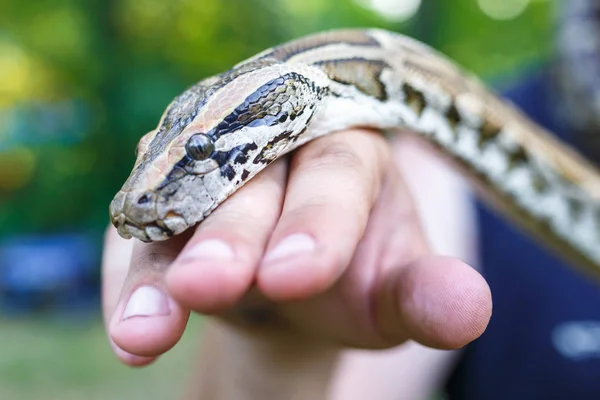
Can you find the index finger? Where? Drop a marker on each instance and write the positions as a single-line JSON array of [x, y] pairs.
[[147, 321], [116, 257]]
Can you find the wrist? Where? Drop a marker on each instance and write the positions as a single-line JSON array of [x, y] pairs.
[[240, 364]]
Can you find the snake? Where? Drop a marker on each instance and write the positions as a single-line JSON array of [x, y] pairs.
[[224, 130]]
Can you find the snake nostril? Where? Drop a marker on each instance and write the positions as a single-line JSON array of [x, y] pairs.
[[143, 199]]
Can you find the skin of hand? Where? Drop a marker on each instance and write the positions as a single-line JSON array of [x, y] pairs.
[[322, 251]]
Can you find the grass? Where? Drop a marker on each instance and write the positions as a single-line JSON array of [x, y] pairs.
[[57, 360], [41, 359]]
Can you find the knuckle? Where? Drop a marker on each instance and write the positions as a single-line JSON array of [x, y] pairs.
[[152, 260], [337, 154], [238, 220]]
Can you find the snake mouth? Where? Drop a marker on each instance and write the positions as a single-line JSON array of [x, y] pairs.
[[156, 231], [137, 214]]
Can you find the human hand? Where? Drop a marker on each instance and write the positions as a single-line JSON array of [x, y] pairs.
[[327, 249]]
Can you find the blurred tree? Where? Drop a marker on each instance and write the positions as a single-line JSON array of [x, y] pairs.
[[489, 47]]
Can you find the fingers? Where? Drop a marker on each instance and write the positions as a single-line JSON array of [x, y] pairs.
[[332, 185], [367, 307], [393, 238], [218, 265], [115, 264], [212, 272], [146, 320], [439, 302]]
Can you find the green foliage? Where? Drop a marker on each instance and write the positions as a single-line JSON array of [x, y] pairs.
[[488, 47]]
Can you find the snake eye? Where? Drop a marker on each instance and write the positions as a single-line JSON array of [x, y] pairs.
[[200, 147]]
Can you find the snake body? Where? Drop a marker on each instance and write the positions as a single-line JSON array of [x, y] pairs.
[[224, 130]]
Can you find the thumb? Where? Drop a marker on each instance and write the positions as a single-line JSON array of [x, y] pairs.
[[439, 302]]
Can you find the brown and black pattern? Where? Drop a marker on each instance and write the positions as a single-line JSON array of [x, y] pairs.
[[414, 98], [262, 107], [450, 79], [265, 105], [186, 106], [453, 116], [363, 74], [540, 183], [349, 37], [576, 207], [488, 132], [517, 157], [262, 158]]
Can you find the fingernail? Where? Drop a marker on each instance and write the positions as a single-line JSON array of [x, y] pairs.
[[146, 301], [209, 250], [295, 244]]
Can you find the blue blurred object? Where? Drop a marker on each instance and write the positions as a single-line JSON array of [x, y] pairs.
[[48, 273]]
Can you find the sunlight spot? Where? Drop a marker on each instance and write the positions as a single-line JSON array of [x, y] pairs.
[[394, 10], [503, 9]]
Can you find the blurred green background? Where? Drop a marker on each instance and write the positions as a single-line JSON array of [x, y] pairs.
[[82, 81]]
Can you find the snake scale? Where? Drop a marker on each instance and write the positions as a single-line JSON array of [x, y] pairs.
[[222, 131]]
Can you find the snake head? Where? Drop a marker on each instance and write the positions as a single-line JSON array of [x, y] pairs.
[[165, 192], [212, 139]]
